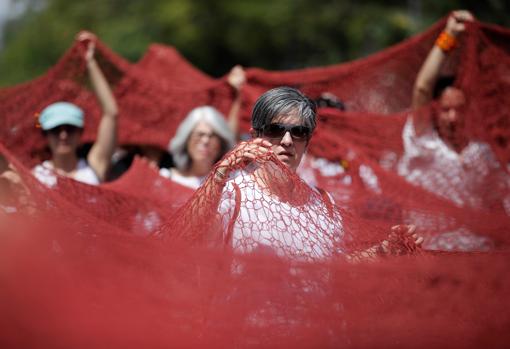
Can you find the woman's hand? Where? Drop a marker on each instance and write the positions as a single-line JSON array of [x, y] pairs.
[[236, 77], [401, 240], [244, 152], [455, 24], [88, 39]]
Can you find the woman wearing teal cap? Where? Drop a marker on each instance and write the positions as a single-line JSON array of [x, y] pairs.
[[62, 124]]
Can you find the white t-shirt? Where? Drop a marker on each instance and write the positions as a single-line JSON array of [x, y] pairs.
[[305, 232], [192, 182], [459, 177], [84, 173]]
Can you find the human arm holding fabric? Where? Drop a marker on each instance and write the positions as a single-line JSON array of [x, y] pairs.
[[99, 157], [8, 172], [236, 79], [401, 240], [427, 77], [206, 201], [243, 153]]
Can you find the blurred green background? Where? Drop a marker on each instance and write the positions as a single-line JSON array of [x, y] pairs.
[[217, 34]]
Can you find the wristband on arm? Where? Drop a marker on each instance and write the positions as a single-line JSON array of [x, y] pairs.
[[446, 42]]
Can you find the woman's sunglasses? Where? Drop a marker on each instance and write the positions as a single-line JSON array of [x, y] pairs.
[[66, 128], [279, 130]]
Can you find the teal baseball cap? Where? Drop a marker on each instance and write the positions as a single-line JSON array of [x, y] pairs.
[[61, 113]]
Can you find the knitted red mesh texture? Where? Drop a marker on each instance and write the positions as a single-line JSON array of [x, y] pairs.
[[265, 260], [80, 274], [157, 92]]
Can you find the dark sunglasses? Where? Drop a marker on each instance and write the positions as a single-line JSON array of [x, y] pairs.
[[67, 128], [279, 130]]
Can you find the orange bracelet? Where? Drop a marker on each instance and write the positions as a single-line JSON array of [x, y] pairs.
[[446, 42], [37, 123]]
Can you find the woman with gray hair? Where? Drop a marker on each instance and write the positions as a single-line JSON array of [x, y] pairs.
[[259, 204], [200, 141]]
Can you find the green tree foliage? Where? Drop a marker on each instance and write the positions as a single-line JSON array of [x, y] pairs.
[[215, 35]]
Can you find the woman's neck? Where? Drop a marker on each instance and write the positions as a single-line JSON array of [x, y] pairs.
[[65, 162]]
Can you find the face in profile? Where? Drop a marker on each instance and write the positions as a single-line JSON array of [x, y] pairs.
[[450, 115], [289, 138], [64, 139], [203, 144]]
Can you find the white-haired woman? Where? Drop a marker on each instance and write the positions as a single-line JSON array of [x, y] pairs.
[[201, 140], [204, 136]]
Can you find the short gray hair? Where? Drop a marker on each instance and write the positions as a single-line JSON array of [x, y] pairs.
[[283, 101], [178, 144]]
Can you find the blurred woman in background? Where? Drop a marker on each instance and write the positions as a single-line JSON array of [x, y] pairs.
[[201, 140], [203, 137], [62, 124]]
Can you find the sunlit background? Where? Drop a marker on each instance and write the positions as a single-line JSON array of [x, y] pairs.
[[215, 35]]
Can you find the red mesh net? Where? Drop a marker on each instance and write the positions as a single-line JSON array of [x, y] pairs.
[[261, 258], [150, 186]]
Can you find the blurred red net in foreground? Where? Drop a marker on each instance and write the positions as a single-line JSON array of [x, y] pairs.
[[76, 274]]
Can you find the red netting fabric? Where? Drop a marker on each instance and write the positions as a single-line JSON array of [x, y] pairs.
[[150, 186], [264, 257], [81, 275], [157, 92]]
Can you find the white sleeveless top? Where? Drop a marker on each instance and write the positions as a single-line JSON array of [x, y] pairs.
[[84, 173], [307, 232]]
